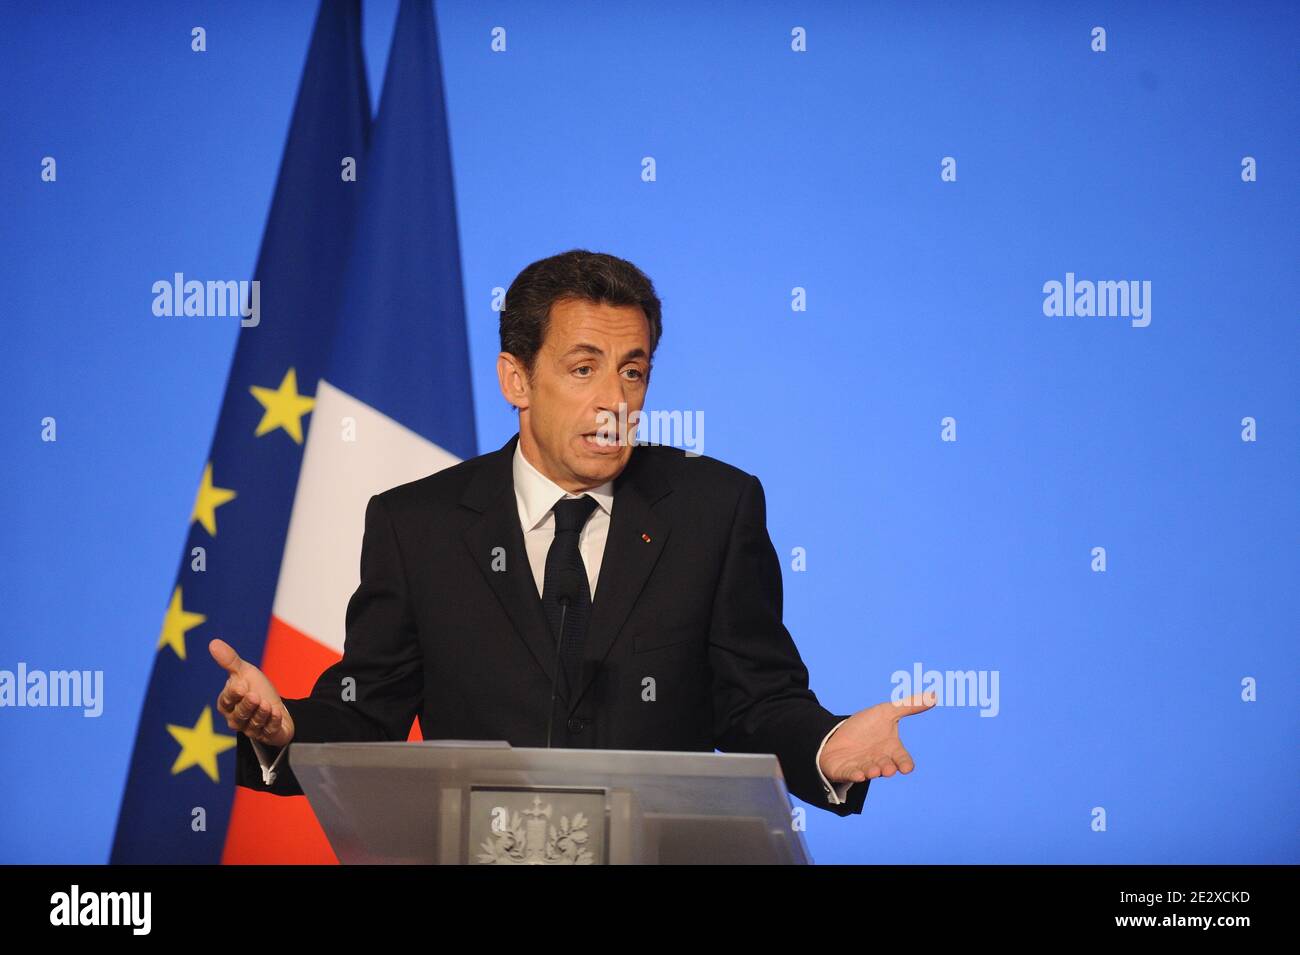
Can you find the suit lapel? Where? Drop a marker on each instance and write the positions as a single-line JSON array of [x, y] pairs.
[[636, 538], [492, 494]]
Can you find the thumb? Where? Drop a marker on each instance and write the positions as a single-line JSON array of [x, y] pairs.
[[225, 656], [917, 703]]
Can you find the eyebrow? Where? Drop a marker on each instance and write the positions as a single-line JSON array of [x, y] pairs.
[[586, 348]]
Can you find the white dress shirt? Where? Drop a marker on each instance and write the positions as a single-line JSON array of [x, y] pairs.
[[536, 496]]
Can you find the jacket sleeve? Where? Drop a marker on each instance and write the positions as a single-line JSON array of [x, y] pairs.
[[373, 693], [761, 699]]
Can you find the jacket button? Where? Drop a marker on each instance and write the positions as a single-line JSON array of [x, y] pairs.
[[576, 724]]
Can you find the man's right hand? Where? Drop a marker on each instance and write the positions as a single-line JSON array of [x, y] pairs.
[[249, 701]]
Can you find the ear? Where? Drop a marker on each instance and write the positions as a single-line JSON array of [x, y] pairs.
[[513, 380]]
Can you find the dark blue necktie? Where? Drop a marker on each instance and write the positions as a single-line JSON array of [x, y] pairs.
[[565, 559]]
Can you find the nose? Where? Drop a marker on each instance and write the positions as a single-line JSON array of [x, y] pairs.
[[610, 394]]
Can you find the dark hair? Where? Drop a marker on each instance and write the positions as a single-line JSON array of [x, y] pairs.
[[593, 276]]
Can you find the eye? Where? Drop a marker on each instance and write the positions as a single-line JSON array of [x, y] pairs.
[[637, 372], [582, 368]]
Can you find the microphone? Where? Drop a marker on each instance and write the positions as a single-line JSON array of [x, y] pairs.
[[568, 584]]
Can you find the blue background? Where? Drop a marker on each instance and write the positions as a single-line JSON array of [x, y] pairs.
[[775, 169]]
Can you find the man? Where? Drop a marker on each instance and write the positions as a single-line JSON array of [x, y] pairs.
[[658, 563]]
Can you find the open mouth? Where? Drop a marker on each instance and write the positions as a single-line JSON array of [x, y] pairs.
[[600, 441]]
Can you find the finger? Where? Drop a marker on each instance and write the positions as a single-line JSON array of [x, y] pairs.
[[225, 656], [245, 709], [231, 695], [273, 731], [280, 714], [257, 724], [886, 766], [842, 772], [903, 759], [260, 713], [228, 702], [917, 703]]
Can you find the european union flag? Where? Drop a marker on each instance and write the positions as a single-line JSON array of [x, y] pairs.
[[177, 800]]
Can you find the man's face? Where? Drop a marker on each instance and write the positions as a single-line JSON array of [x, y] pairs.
[[594, 357]]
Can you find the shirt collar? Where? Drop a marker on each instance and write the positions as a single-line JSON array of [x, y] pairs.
[[537, 494]]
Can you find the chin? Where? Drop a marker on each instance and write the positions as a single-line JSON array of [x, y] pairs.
[[602, 470]]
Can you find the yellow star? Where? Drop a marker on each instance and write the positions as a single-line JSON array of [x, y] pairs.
[[208, 500], [199, 745], [284, 407], [177, 621]]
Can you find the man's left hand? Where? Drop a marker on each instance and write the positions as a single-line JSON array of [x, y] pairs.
[[867, 745]]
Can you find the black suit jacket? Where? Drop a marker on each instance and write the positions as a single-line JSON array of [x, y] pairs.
[[434, 630]]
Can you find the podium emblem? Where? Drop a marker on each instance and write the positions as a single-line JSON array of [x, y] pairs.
[[554, 831]]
